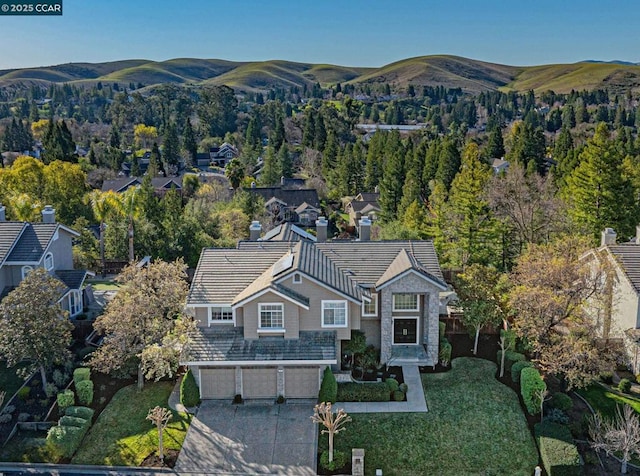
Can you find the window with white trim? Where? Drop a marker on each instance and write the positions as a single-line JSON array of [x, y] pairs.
[[271, 316], [297, 278], [370, 308], [26, 270], [405, 302], [48, 262], [75, 303], [334, 313], [220, 314]]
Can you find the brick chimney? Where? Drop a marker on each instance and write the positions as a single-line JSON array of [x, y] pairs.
[[321, 229], [255, 230], [608, 237], [48, 214], [365, 229]]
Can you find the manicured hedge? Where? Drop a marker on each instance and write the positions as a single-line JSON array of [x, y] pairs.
[[363, 392], [84, 389], [66, 399], [66, 439], [517, 367], [559, 453], [561, 401], [73, 421], [189, 391], [81, 374], [81, 412], [531, 384], [329, 387]]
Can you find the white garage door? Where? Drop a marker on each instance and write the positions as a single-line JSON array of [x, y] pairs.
[[259, 382], [217, 383], [301, 382]]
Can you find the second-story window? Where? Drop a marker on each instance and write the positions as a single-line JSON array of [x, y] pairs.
[[221, 314], [48, 262], [370, 308], [334, 313], [271, 316], [405, 302]]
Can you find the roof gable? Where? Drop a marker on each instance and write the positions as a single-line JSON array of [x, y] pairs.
[[627, 256], [10, 231], [33, 242]]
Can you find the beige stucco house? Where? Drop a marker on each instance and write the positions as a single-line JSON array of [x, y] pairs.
[[25, 246], [272, 315]]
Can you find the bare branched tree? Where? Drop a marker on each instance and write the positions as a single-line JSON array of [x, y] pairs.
[[620, 435], [333, 422], [160, 417]]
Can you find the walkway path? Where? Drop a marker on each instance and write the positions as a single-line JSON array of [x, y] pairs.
[[415, 398]]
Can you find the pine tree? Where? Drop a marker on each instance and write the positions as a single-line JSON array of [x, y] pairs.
[[495, 146], [270, 172], [448, 162], [285, 164], [189, 143], [392, 177], [599, 193]]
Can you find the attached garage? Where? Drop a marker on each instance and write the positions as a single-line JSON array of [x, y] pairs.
[[259, 382], [301, 382], [217, 383]]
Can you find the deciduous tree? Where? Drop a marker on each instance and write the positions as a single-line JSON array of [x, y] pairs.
[[619, 436], [333, 422], [160, 417]]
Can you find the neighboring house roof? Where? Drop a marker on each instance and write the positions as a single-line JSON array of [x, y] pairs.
[[122, 184], [287, 232], [306, 207], [292, 197], [367, 197], [73, 278], [229, 345], [628, 257], [33, 242], [9, 234]]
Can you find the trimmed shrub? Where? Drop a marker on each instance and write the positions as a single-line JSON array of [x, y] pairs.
[[561, 401], [624, 385], [189, 391], [557, 416], [24, 416], [403, 387], [60, 378], [84, 389], [5, 417], [329, 387], [50, 390], [73, 421], [66, 439], [339, 460], [8, 410], [24, 392], [558, 452], [80, 412], [531, 384], [510, 357], [442, 327], [363, 392], [445, 352], [398, 395], [81, 374], [517, 367], [607, 377], [392, 384], [65, 399]]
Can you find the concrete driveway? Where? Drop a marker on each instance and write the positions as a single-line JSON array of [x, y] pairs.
[[249, 439]]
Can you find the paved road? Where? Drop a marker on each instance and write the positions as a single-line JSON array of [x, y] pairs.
[[250, 438]]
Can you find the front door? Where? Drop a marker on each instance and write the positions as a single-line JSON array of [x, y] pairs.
[[405, 331]]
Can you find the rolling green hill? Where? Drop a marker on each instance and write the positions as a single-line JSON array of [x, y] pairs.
[[449, 71]]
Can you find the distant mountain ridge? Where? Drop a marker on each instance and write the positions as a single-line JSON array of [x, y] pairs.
[[435, 70]]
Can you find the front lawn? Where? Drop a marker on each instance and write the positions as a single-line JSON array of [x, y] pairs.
[[605, 401], [9, 381], [474, 426], [104, 285], [123, 436]]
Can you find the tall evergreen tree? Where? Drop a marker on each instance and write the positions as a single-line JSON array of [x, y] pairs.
[[285, 164], [495, 146], [171, 149], [270, 171], [393, 176], [189, 143], [448, 162]]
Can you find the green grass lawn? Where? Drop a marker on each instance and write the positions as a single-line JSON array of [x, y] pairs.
[[123, 436], [474, 426], [605, 401], [9, 381], [100, 285]]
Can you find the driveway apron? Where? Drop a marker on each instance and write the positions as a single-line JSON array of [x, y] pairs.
[[252, 438]]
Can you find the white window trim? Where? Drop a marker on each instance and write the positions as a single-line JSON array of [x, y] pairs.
[[270, 329], [346, 314], [213, 321], [374, 297], [49, 256], [393, 336], [25, 270], [76, 296], [297, 278], [416, 309]]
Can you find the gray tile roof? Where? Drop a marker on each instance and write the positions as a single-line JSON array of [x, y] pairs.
[[10, 231], [628, 256], [34, 240], [73, 278], [293, 198], [287, 232], [402, 263], [211, 344]]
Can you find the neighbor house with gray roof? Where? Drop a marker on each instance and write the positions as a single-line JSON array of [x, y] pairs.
[[271, 315], [25, 246]]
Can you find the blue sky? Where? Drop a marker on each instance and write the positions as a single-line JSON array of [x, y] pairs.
[[347, 32]]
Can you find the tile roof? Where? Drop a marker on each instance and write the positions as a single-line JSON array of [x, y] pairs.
[[72, 278], [628, 256], [217, 344], [287, 232], [9, 233], [402, 263], [292, 197], [32, 242]]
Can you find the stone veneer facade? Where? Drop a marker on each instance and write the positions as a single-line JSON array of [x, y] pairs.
[[428, 314]]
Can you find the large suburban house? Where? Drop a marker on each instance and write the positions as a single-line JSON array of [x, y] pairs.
[[298, 206], [160, 184], [271, 315], [25, 246], [363, 205], [617, 316], [217, 156]]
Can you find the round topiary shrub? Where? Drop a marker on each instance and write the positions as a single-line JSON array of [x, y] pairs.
[[398, 396], [84, 389], [65, 399], [624, 385], [561, 401], [339, 460], [392, 384], [403, 387], [24, 392]]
